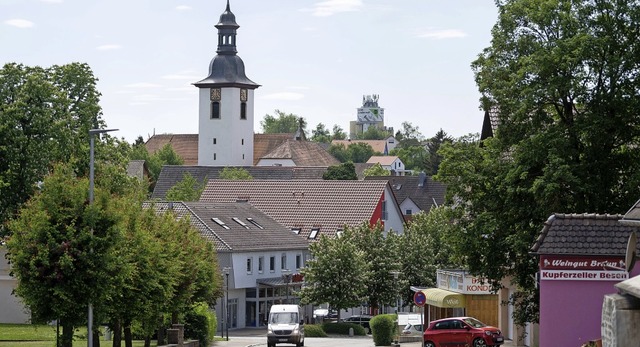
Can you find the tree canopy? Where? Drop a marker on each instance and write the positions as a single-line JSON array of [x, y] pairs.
[[561, 76], [282, 122], [235, 173], [344, 171]]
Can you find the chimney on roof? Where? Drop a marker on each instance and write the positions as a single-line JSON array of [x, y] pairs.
[[422, 179]]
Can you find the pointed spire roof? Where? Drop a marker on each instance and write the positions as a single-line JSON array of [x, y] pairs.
[[227, 68]]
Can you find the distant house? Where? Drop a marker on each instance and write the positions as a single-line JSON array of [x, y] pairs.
[[489, 123], [415, 193], [379, 146], [138, 169], [254, 249], [298, 153], [390, 163], [314, 207]]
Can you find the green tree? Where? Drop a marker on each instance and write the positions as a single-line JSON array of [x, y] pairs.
[[62, 250], [321, 134], [344, 171], [414, 157], [45, 114], [376, 170], [360, 152], [409, 136], [561, 76], [433, 157], [188, 189], [338, 133], [281, 123], [340, 152], [380, 252], [373, 133], [336, 273], [165, 156], [235, 173]]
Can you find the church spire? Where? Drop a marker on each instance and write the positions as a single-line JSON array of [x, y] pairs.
[[227, 29]]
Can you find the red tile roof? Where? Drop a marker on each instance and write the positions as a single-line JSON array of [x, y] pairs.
[[305, 204], [185, 146], [302, 153]]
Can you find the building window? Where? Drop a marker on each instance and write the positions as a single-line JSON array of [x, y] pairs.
[[260, 264], [215, 110], [283, 261], [298, 261], [215, 140], [243, 110], [214, 156], [242, 142], [249, 265], [408, 212], [384, 210], [295, 231], [272, 263]]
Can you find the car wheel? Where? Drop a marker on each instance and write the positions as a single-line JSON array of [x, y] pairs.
[[479, 343], [429, 344]]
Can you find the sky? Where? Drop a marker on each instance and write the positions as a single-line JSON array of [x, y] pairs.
[[313, 58]]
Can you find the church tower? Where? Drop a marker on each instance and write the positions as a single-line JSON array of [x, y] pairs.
[[225, 128]]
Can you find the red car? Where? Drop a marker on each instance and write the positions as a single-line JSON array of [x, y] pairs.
[[461, 331]]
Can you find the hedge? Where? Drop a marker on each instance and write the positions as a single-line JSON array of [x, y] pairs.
[[383, 328]]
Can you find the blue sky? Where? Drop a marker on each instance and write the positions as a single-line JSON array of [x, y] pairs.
[[312, 58]]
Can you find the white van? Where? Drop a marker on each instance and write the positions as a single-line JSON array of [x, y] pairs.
[[286, 325]]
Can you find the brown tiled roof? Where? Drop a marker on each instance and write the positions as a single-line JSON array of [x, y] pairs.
[[302, 153], [384, 160], [634, 213], [265, 143], [237, 238], [426, 196], [584, 234], [377, 145], [490, 123], [185, 146], [328, 205], [172, 174]]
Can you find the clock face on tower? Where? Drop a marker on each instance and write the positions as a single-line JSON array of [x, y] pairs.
[[215, 94], [243, 95]]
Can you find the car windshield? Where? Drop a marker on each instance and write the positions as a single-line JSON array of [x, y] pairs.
[[283, 318], [474, 323]]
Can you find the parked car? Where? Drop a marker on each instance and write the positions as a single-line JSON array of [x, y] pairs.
[[359, 319], [464, 331], [412, 330]]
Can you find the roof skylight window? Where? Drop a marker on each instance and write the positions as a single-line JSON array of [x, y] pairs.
[[237, 220], [252, 221], [314, 233], [295, 231], [220, 223]]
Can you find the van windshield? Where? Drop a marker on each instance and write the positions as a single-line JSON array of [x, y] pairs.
[[283, 318]]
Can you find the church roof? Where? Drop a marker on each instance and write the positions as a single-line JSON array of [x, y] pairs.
[[302, 153], [185, 146], [379, 146]]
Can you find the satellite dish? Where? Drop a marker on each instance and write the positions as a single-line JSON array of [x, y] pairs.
[[630, 257]]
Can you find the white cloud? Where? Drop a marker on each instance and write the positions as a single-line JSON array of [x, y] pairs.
[[19, 23], [183, 8], [143, 85], [284, 96], [443, 34], [331, 7], [108, 47]]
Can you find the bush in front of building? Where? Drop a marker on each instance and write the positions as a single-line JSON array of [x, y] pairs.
[[383, 329], [200, 324], [314, 330], [343, 328]]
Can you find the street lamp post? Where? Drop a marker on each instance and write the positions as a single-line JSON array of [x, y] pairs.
[[225, 313], [395, 274], [286, 276], [91, 174]]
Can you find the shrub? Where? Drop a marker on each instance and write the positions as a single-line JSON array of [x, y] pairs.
[[343, 328], [383, 328], [199, 324], [314, 330]]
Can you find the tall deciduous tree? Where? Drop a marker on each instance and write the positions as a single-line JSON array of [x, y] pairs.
[[338, 133], [45, 115], [281, 122], [336, 274], [376, 170], [188, 189], [344, 171], [62, 250], [235, 173], [321, 134], [562, 77]]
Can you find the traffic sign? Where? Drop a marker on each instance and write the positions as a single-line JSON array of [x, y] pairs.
[[419, 298]]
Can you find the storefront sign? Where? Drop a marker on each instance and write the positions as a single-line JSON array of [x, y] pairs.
[[461, 282], [569, 268]]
